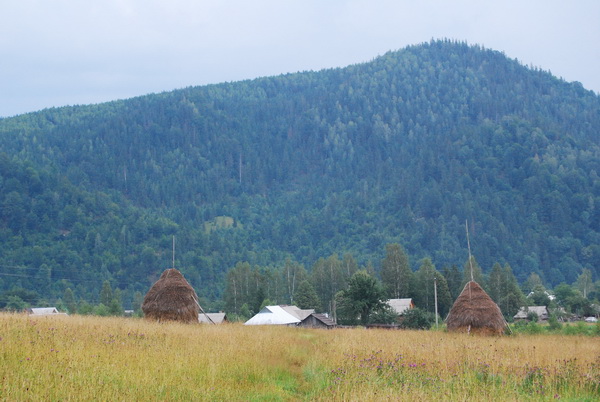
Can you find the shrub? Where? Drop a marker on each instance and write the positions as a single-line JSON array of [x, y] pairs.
[[553, 323], [417, 318], [532, 316]]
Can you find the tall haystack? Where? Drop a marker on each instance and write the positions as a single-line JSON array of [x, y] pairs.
[[171, 298], [475, 312]]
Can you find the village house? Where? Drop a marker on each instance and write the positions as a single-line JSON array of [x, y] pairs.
[[40, 311], [540, 311], [401, 306]]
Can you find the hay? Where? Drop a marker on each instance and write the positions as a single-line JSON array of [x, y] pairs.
[[475, 312], [171, 298]]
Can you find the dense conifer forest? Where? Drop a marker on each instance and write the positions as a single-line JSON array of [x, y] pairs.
[[294, 172]]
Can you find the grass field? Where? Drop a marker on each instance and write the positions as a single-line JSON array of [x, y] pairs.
[[93, 358]]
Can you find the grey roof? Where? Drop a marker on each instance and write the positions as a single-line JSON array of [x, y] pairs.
[[216, 318], [273, 315], [298, 312], [541, 311], [400, 305], [322, 318]]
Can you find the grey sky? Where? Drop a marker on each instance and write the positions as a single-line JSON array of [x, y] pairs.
[[65, 52]]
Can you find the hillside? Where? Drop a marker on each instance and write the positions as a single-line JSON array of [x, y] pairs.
[[404, 148]]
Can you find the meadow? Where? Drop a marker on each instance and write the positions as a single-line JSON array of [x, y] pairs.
[[95, 358]]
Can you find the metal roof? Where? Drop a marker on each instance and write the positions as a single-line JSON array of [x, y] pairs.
[[272, 315], [43, 311], [298, 312], [216, 318], [324, 319], [400, 305]]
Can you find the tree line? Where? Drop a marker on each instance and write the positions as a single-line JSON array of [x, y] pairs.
[[357, 294]]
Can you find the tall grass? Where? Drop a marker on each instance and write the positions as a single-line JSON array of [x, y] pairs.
[[92, 358]]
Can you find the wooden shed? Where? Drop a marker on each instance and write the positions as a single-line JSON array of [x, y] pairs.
[[315, 320]]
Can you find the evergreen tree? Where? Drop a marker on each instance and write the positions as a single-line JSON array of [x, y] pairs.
[[69, 300], [511, 298], [477, 274], [306, 297], [115, 307], [496, 285], [138, 299], [454, 280], [245, 312]]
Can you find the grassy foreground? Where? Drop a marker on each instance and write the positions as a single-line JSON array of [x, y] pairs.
[[93, 358]]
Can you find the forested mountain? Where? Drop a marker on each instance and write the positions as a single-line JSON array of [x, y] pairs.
[[402, 149]]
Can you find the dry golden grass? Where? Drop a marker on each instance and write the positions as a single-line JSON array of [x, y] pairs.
[[93, 358]]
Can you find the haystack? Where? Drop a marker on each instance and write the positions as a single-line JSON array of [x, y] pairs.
[[475, 312], [171, 298]]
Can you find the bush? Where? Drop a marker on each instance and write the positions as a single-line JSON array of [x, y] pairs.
[[532, 316], [417, 318], [554, 324], [534, 328]]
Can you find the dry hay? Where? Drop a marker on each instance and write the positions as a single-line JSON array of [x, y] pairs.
[[171, 298], [475, 312]]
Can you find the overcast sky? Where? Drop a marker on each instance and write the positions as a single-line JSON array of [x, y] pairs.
[[65, 52]]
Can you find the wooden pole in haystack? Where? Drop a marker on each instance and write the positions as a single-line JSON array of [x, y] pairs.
[[469, 247]]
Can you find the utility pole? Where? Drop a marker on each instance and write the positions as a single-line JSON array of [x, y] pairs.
[[435, 297]]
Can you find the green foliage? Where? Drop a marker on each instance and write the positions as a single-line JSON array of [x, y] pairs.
[[505, 291], [302, 166], [472, 271], [539, 296], [553, 323], [384, 315], [101, 310], [328, 278], [417, 318], [396, 274], [423, 291], [454, 280], [69, 300], [138, 299], [532, 316], [264, 303], [306, 297], [15, 303], [106, 293], [245, 312], [363, 297]]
